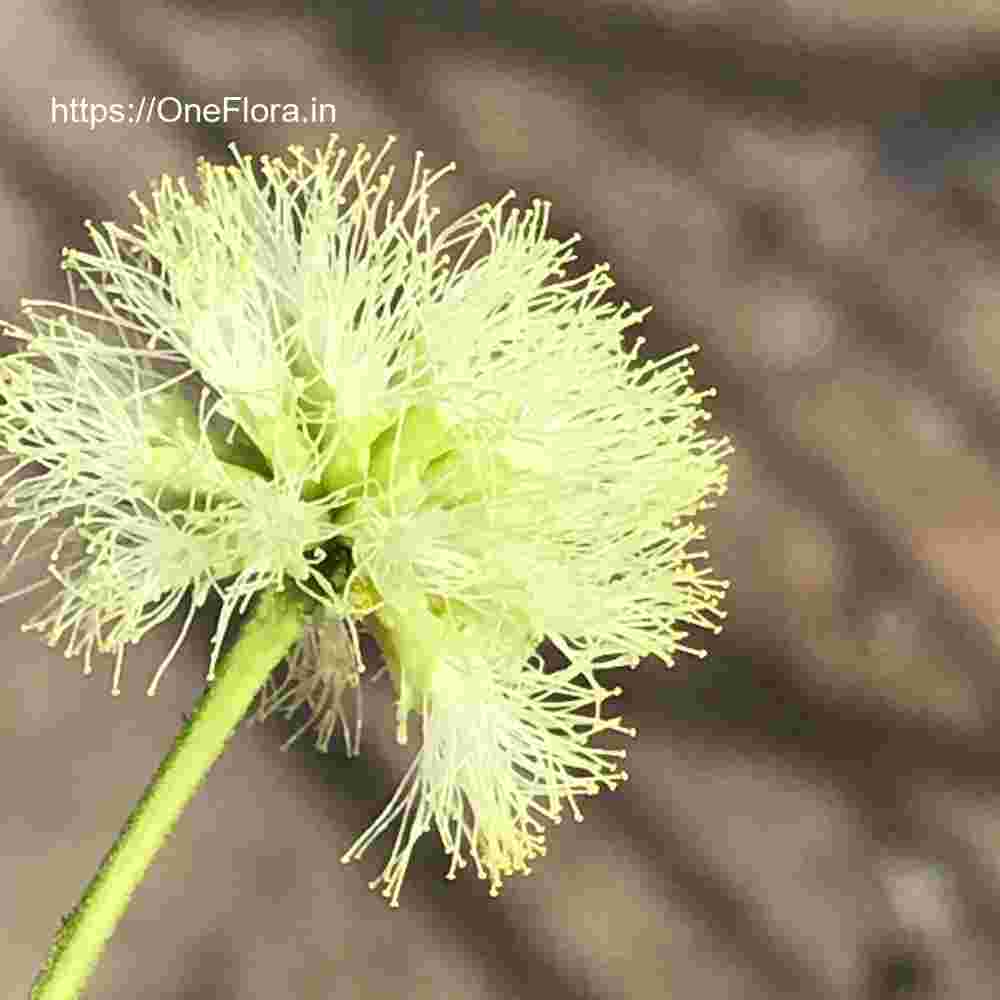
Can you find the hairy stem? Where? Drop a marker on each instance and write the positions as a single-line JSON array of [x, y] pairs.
[[277, 622]]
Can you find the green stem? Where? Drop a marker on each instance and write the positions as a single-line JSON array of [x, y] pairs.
[[277, 622]]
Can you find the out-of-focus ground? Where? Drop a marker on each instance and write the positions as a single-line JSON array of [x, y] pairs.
[[805, 189]]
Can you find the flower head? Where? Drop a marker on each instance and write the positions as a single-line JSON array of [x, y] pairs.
[[437, 434]]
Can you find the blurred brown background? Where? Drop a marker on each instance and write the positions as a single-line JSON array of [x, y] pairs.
[[813, 811]]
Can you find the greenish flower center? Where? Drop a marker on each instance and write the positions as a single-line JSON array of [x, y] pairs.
[[384, 463]]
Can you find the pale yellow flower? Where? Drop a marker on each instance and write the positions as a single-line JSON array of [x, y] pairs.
[[436, 434]]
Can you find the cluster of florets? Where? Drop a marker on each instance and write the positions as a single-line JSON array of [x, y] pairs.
[[434, 434]]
